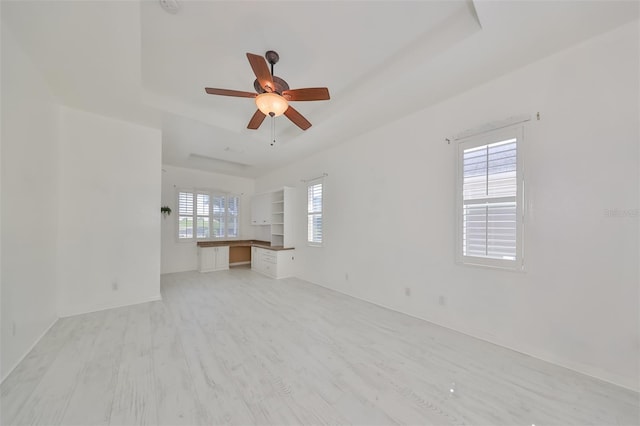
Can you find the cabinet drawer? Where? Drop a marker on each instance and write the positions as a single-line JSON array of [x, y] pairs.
[[273, 263], [269, 256]]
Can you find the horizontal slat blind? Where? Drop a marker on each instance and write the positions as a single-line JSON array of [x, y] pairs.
[[185, 227], [185, 215], [314, 228], [232, 216], [219, 216], [314, 213], [205, 214], [203, 204], [202, 227], [202, 211], [185, 203], [489, 218]]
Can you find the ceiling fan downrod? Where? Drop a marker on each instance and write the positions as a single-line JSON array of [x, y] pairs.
[[272, 57]]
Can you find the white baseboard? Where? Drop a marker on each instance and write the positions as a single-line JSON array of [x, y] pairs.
[[248, 262], [79, 311], [588, 370], [73, 313], [29, 350], [177, 271]]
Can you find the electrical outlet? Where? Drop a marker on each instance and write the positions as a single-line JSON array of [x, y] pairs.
[[114, 285], [442, 301], [346, 276], [407, 291]]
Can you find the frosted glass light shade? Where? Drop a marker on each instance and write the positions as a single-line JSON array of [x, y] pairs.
[[271, 103]]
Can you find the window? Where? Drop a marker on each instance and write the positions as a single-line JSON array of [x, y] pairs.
[[314, 213], [185, 215], [233, 219], [202, 220], [489, 199], [214, 215], [219, 215]]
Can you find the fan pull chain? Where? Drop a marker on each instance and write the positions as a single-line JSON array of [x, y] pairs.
[[273, 130]]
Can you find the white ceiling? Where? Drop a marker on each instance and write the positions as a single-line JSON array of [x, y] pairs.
[[381, 60]]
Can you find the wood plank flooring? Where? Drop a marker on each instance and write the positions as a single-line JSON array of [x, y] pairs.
[[234, 347]]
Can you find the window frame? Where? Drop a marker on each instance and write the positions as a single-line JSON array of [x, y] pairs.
[[475, 141], [315, 213], [194, 216]]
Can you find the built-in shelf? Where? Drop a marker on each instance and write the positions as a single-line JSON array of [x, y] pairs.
[[281, 217]]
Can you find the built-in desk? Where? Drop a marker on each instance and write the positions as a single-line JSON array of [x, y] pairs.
[[274, 261], [242, 243]]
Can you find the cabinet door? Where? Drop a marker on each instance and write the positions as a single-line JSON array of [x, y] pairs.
[[285, 263], [255, 210], [261, 209], [254, 258], [222, 258], [257, 260], [207, 258], [269, 263]]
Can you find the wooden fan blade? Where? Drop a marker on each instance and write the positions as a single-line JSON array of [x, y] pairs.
[[297, 118], [226, 92], [308, 94], [256, 120], [261, 70]]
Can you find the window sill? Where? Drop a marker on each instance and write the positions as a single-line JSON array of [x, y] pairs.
[[517, 266]]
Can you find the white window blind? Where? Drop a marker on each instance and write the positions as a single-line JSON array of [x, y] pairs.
[[489, 190], [202, 220], [314, 213], [233, 203], [210, 213], [185, 215], [219, 215]]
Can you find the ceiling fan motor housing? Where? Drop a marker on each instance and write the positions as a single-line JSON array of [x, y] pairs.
[[280, 84]]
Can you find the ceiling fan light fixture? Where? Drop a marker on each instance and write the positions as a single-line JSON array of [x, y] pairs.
[[271, 104]]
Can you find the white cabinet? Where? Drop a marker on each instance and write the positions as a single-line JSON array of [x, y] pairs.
[[255, 262], [213, 258], [261, 209], [273, 263]]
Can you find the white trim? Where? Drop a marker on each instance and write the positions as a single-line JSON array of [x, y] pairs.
[[581, 368], [30, 349], [98, 308]]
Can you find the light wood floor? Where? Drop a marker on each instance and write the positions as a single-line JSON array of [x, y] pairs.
[[234, 347]]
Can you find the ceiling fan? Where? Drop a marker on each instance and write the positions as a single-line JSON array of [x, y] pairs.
[[273, 94]]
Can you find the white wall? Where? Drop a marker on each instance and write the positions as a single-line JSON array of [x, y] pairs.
[[109, 213], [183, 256], [29, 204], [577, 303]]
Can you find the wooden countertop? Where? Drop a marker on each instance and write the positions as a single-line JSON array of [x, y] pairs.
[[242, 243]]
